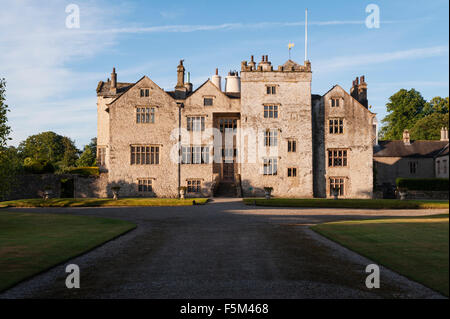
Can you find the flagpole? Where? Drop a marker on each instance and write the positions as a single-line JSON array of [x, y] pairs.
[[306, 35]]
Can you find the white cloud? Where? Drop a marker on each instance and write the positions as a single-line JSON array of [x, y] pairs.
[[368, 59], [223, 26], [35, 51]]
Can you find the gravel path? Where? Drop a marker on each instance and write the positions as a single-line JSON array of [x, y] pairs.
[[221, 250]]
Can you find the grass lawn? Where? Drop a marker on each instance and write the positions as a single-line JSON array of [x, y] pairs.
[[32, 243], [348, 203], [100, 202], [416, 247]]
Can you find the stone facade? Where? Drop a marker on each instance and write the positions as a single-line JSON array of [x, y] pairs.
[[265, 129]]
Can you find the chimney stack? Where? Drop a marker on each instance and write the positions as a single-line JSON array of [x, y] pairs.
[[217, 80], [113, 87], [359, 91], [444, 134], [180, 88], [406, 139]]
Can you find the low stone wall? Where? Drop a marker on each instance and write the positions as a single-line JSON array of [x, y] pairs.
[[33, 186], [424, 195], [91, 186]]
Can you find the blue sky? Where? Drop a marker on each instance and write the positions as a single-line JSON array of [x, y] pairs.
[[52, 71]]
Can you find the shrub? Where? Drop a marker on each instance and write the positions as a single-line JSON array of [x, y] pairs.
[[423, 184], [34, 166], [86, 171]]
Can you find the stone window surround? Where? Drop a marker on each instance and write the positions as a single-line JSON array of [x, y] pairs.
[[198, 185], [156, 157], [144, 91], [190, 123], [270, 166], [345, 183], [278, 105], [271, 137], [148, 183], [292, 145], [336, 127], [152, 112], [333, 160], [212, 97], [191, 155], [271, 86], [339, 98], [293, 170]]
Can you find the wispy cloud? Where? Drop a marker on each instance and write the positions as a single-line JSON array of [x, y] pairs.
[[36, 50], [223, 26], [376, 58]]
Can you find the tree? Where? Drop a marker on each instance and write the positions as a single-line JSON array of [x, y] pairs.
[[405, 108], [89, 156], [436, 105], [60, 151], [8, 156], [5, 130], [429, 127]]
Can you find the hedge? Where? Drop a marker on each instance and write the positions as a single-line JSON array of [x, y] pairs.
[[87, 171], [423, 184]]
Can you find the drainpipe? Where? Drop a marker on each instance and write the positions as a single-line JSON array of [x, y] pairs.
[[180, 106]]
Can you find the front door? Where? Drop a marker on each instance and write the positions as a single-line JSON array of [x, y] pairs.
[[228, 172]]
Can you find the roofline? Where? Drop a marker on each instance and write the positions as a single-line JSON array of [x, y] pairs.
[[134, 84]]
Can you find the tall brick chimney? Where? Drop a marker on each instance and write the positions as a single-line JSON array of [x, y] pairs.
[[180, 88], [113, 87], [362, 92], [359, 91]]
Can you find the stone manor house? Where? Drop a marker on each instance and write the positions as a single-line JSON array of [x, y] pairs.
[[263, 128]]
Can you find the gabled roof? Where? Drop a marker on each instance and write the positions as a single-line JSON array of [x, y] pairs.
[[227, 94], [132, 85], [338, 86], [418, 149], [103, 88]]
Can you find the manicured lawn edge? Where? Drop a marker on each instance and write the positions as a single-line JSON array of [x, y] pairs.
[[348, 203], [45, 269], [317, 229], [103, 202]]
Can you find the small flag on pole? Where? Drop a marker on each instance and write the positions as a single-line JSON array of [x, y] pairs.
[[290, 46]]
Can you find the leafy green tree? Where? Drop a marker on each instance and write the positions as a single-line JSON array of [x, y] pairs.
[[405, 108], [89, 156], [436, 105], [5, 130], [429, 127], [60, 151], [9, 162]]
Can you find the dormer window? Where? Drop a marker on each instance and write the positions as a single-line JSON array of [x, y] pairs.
[[335, 102], [145, 92]]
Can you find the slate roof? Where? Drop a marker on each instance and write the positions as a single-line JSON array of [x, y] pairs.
[[397, 148], [103, 88]]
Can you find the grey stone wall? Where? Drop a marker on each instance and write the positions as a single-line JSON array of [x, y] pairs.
[[33, 186]]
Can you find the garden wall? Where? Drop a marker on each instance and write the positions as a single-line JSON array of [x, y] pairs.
[[64, 185]]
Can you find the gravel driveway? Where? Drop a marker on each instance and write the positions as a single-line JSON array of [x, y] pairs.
[[221, 250]]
